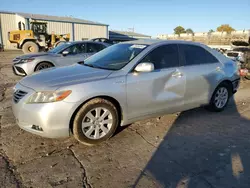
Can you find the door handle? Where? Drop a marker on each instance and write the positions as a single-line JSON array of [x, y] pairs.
[[177, 74]]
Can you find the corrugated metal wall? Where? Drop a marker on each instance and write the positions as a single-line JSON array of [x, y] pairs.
[[81, 31], [8, 23], [84, 31], [20, 19], [60, 28]]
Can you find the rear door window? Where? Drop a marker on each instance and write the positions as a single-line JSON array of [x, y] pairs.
[[165, 56], [196, 55], [82, 48]]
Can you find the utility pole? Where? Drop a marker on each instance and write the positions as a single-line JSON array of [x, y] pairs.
[[132, 30]]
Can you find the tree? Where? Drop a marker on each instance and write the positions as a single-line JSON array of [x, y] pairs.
[[225, 28], [210, 31], [189, 31], [179, 29]]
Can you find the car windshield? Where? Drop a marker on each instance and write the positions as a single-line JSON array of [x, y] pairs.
[[59, 48], [115, 57]]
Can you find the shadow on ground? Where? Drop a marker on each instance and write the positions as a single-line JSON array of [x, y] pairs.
[[210, 151]]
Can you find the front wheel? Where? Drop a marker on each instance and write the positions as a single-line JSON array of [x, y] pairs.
[[95, 122], [220, 98], [43, 65]]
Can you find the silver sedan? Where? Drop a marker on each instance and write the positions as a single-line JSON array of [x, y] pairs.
[[122, 84], [65, 54]]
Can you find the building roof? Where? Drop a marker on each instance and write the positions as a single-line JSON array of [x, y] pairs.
[[127, 33], [54, 18]]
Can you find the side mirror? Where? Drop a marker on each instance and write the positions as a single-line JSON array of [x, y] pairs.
[[81, 62], [145, 67], [65, 52]]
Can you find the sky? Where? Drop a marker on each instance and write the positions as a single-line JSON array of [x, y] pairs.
[[150, 17]]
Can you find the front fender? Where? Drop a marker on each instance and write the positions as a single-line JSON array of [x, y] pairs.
[[109, 87]]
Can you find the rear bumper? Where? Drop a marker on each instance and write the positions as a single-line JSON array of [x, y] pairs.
[[236, 85]]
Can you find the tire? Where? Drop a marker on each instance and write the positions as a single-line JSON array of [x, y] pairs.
[[88, 134], [218, 96], [30, 47], [43, 65]]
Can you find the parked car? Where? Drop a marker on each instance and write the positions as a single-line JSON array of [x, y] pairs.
[[122, 84], [105, 40], [64, 54], [240, 54]]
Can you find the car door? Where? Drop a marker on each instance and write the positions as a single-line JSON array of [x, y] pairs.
[[75, 54], [202, 71], [161, 90]]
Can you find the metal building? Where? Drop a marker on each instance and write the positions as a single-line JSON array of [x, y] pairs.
[[79, 29], [119, 36]]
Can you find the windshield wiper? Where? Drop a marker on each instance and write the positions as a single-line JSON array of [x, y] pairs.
[[94, 66], [90, 65]]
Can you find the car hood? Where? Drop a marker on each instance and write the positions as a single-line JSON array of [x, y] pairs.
[[53, 78], [33, 55]]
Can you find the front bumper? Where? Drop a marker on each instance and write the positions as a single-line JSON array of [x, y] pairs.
[[18, 71], [23, 69], [52, 118]]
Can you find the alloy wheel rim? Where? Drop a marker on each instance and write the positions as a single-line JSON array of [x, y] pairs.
[[97, 123], [221, 97], [43, 67]]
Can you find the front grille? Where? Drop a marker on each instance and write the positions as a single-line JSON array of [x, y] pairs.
[[18, 95]]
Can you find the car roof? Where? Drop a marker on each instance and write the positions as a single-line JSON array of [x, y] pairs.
[[86, 41], [159, 41]]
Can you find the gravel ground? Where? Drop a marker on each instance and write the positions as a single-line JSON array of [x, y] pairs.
[[192, 149]]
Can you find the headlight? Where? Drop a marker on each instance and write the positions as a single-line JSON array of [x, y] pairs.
[[48, 96], [26, 60]]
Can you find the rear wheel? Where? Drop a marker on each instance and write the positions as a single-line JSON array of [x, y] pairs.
[[43, 65], [30, 47], [95, 122], [220, 97]]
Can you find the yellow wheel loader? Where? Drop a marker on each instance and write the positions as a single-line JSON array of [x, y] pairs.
[[37, 38]]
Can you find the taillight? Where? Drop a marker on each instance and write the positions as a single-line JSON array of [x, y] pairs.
[[243, 72]]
